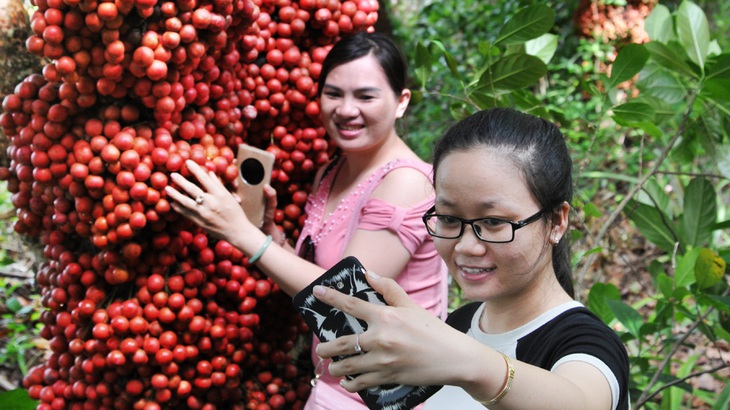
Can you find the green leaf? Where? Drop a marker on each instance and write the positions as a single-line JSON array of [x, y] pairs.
[[598, 298], [709, 268], [652, 194], [13, 304], [450, 61], [542, 47], [668, 58], [526, 100], [484, 100], [684, 275], [528, 23], [693, 31], [654, 225], [659, 24], [629, 61], [719, 68], [17, 399], [700, 212], [723, 160], [664, 283], [628, 316], [723, 399], [513, 72], [721, 303], [423, 64], [662, 84], [633, 112], [591, 210]]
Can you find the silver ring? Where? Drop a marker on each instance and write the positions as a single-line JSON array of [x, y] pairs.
[[358, 349], [199, 199]]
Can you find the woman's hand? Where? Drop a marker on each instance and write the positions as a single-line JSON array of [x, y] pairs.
[[404, 343], [269, 223], [210, 205]]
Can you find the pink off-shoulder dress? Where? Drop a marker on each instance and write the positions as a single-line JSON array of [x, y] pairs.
[[424, 278]]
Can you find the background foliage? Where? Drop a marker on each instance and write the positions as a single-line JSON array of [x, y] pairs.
[[643, 101]]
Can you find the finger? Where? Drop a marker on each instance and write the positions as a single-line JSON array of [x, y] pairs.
[[208, 180], [346, 303], [342, 346], [362, 381], [270, 195], [186, 186], [393, 294], [179, 199]]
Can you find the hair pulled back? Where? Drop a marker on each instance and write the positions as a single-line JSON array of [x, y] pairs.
[[359, 45], [537, 148]]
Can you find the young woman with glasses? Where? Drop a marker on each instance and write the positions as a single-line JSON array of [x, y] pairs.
[[367, 203], [503, 187]]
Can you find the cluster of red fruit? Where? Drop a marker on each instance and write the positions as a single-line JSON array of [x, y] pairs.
[[144, 310]]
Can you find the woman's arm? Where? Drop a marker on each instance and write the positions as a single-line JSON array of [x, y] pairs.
[[406, 345], [220, 213]]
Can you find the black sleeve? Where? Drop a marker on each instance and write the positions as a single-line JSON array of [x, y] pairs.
[[577, 331], [460, 319]]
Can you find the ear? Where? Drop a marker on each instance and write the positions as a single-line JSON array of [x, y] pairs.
[[560, 222], [403, 100]]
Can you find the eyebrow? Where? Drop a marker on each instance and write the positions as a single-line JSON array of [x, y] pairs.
[[359, 90]]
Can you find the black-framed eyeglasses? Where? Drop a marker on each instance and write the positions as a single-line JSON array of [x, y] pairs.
[[492, 230]]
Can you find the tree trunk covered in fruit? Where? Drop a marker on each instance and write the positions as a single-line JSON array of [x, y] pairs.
[[15, 61], [143, 308]]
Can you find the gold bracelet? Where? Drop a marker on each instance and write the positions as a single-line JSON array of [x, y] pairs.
[[510, 376]]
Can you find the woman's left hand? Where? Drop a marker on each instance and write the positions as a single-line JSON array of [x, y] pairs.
[[404, 343]]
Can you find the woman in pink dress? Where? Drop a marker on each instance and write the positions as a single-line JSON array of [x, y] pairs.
[[367, 202]]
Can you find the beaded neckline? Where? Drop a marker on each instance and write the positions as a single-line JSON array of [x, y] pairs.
[[323, 224]]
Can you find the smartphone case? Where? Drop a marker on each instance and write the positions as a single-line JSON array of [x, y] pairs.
[[329, 323], [254, 171]]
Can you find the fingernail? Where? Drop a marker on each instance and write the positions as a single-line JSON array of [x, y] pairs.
[[319, 290], [373, 275]]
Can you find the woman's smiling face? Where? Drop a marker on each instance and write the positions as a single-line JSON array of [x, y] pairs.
[[483, 182], [359, 108]]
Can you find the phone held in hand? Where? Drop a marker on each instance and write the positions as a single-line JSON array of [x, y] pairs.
[[254, 171], [329, 323]]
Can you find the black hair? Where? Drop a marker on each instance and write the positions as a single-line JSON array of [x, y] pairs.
[[358, 45], [537, 148]]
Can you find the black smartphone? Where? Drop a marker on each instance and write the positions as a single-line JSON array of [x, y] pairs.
[[329, 323]]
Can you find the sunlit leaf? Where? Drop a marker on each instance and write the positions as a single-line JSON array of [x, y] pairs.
[[542, 47], [528, 23], [693, 31], [709, 268], [659, 24]]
